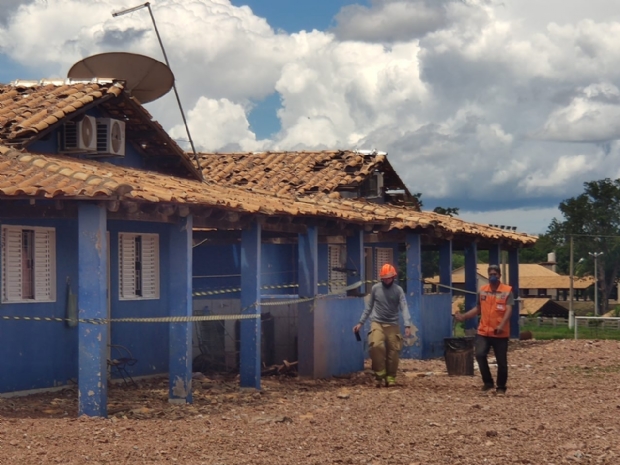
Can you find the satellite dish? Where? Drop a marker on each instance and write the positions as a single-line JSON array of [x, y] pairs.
[[145, 79]]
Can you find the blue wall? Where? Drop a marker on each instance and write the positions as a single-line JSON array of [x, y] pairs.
[[337, 352], [433, 321], [42, 354], [217, 260], [436, 324], [148, 342], [278, 266]]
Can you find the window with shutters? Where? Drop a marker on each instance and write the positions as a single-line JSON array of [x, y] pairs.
[[336, 275], [138, 260], [28, 264], [383, 255]]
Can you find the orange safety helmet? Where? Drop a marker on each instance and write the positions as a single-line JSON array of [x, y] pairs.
[[387, 271]]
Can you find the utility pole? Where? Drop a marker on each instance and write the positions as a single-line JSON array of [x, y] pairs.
[[595, 255], [571, 313]]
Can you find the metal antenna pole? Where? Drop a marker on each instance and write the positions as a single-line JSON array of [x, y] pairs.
[[174, 86]]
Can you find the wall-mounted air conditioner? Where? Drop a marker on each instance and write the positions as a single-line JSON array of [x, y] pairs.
[[110, 137], [80, 136]]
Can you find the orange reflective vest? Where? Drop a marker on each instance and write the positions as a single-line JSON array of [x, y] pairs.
[[493, 306]]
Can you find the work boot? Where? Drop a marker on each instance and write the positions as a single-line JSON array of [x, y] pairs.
[[500, 391], [380, 378], [390, 381], [487, 387]]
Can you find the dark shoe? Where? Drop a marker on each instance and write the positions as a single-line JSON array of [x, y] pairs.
[[500, 391], [487, 387]]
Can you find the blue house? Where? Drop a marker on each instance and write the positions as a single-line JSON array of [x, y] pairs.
[[366, 182], [108, 230]]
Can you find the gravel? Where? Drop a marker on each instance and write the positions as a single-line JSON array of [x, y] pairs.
[[562, 407]]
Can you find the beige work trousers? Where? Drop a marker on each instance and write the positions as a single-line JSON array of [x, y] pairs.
[[385, 343]]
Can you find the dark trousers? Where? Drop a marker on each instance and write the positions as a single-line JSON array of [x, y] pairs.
[[500, 348]]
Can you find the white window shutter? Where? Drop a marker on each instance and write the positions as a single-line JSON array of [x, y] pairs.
[[336, 259], [44, 265], [127, 265], [383, 255], [150, 266], [11, 264]]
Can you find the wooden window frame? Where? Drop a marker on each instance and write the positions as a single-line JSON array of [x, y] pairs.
[[40, 265], [138, 266]]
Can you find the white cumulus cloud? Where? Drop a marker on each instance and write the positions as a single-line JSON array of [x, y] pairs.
[[478, 102]]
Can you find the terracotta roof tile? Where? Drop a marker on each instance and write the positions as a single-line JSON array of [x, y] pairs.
[[554, 282], [52, 176], [294, 172], [27, 108]]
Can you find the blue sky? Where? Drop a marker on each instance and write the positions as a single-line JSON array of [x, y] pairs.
[[503, 123], [297, 15], [290, 16]]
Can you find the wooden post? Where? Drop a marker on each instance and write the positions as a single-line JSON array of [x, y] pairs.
[[415, 288], [471, 282], [308, 287], [495, 252], [250, 357], [180, 298], [355, 259], [445, 267], [93, 304], [513, 271]]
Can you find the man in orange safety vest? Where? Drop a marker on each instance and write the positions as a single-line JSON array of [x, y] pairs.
[[495, 301]]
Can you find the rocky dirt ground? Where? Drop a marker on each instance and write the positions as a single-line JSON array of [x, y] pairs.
[[562, 407]]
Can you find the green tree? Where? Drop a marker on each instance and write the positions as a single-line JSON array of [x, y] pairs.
[[450, 211], [593, 219], [545, 244]]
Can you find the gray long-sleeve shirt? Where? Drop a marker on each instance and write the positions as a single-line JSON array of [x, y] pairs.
[[384, 304]]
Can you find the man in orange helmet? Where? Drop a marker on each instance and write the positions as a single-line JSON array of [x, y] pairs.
[[495, 301], [384, 340]]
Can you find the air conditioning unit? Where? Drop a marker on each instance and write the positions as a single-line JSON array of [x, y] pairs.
[[110, 137], [80, 136]]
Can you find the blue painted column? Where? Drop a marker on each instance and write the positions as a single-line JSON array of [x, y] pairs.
[[308, 274], [495, 255], [355, 259], [415, 289], [250, 357], [513, 272], [92, 304], [445, 267], [471, 282], [180, 304]]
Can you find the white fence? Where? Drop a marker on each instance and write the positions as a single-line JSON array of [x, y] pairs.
[[599, 323]]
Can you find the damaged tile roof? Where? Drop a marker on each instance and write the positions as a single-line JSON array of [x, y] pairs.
[[56, 176], [30, 109], [298, 172], [27, 109]]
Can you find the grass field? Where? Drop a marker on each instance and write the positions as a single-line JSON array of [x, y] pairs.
[[563, 332], [546, 332]]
